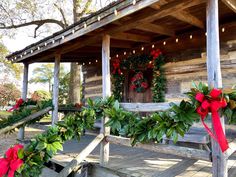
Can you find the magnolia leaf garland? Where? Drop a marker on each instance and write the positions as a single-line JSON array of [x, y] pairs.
[[154, 61], [171, 123]]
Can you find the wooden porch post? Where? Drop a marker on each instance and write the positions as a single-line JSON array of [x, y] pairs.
[[106, 92], [219, 161], [21, 133], [56, 89]]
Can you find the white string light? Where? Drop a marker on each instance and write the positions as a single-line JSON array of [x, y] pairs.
[[38, 48], [115, 12], [85, 25], [223, 29], [134, 2], [117, 56], [99, 18], [191, 36], [164, 43], [96, 61], [73, 31], [89, 62], [53, 41], [25, 53], [124, 53], [63, 37], [83, 63], [176, 40], [142, 48], [31, 51], [205, 33], [153, 46], [133, 51]]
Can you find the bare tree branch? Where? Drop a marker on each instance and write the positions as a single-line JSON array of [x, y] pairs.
[[62, 14], [36, 22]]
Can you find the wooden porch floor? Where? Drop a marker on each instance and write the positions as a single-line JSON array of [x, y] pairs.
[[142, 163]]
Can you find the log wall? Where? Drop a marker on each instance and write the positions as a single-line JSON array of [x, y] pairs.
[[180, 71]]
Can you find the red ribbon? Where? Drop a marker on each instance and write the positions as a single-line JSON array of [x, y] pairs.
[[17, 105], [11, 162], [116, 67], [213, 104], [155, 54]]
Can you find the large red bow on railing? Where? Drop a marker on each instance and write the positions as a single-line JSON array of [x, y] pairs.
[[213, 104], [17, 105], [116, 67], [11, 162]]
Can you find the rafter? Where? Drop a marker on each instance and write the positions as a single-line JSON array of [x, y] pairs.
[[131, 37], [189, 18], [150, 16], [156, 29], [184, 16], [231, 4]]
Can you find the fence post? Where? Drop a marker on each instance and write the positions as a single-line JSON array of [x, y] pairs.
[[106, 92], [219, 160]]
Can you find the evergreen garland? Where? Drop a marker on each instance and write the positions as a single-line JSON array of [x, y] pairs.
[[154, 61]]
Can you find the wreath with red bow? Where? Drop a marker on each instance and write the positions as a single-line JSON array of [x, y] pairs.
[[153, 61], [138, 83]]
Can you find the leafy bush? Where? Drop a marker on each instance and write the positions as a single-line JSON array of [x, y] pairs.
[[41, 95]]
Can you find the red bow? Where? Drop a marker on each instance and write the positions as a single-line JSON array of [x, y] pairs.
[[17, 105], [116, 67], [213, 104], [12, 162], [155, 54]]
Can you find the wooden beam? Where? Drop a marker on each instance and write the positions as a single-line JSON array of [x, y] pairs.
[[163, 148], [183, 16], [25, 120], [219, 160], [82, 155], [106, 92], [149, 16], [21, 133], [189, 18], [231, 4], [145, 107], [56, 89], [131, 37], [156, 29]]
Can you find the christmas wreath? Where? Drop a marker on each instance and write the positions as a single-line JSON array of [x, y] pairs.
[[138, 83], [153, 61]]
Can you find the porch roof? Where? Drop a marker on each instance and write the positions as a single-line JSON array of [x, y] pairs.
[[132, 24]]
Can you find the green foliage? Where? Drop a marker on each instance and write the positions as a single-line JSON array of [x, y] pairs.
[[24, 111], [41, 95], [171, 123], [133, 63], [8, 93], [159, 80]]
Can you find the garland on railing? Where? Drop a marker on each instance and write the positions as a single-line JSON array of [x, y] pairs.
[[154, 61], [23, 110], [29, 161], [170, 123]]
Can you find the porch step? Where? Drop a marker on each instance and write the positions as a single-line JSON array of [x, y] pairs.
[[47, 172]]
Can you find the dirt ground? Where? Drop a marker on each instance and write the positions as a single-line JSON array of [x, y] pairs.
[[8, 140]]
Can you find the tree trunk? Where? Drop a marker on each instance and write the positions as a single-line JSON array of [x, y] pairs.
[[74, 87]]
